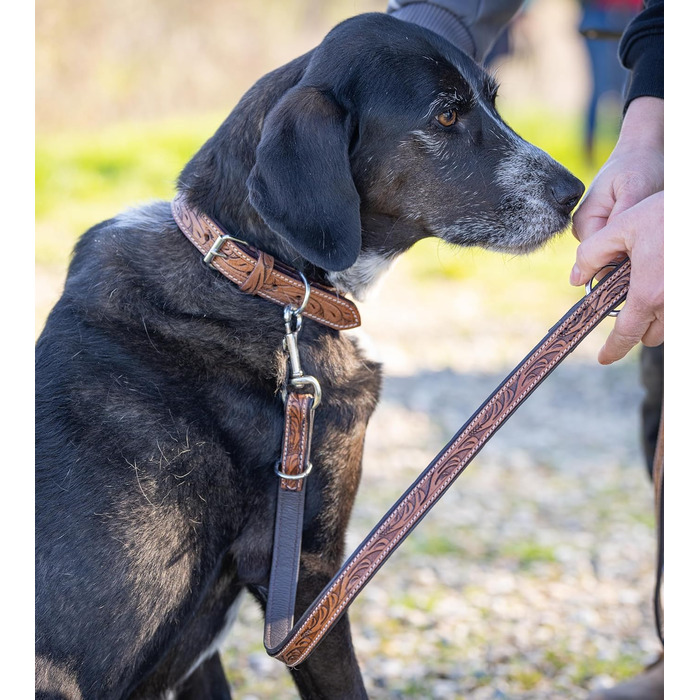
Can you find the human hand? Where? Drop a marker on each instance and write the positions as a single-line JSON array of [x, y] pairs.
[[638, 232], [622, 215]]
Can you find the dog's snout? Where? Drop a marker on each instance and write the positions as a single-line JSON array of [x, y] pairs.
[[566, 192]]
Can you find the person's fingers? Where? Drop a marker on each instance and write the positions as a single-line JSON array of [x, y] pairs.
[[620, 185], [596, 252], [655, 335], [592, 214], [637, 322]]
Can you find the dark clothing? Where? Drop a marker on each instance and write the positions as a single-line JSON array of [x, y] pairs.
[[642, 52], [471, 25], [475, 25]]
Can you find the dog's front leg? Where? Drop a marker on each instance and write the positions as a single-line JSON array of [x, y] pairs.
[[207, 682], [331, 671]]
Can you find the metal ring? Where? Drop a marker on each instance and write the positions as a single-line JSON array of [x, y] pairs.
[[293, 477], [589, 287], [305, 380], [307, 295]]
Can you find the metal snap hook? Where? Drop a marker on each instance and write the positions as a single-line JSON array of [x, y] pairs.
[[589, 286]]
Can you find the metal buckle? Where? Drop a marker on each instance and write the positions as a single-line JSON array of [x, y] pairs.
[[293, 477], [214, 250]]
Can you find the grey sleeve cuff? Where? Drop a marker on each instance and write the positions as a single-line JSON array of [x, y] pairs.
[[471, 25]]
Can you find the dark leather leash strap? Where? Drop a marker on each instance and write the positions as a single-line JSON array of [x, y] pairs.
[[256, 272], [293, 469], [295, 644], [658, 476]]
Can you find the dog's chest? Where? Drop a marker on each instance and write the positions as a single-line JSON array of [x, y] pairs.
[[219, 638]]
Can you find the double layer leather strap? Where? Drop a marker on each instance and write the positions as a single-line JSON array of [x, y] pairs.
[[293, 468], [256, 272], [325, 611]]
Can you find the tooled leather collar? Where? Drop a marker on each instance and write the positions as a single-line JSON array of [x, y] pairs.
[[256, 272]]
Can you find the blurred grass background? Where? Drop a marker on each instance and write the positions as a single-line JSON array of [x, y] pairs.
[[127, 92]]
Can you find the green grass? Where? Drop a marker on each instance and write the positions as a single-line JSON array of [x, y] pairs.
[[527, 553], [83, 178], [621, 668]]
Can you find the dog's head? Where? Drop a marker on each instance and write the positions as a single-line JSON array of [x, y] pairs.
[[391, 136]]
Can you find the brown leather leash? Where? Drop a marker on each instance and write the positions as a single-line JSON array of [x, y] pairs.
[[258, 273], [293, 644]]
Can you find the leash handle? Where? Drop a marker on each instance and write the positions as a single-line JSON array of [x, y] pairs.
[[415, 503]]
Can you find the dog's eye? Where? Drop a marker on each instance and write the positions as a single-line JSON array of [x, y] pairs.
[[447, 118]]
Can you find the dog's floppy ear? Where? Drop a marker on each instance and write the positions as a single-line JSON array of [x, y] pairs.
[[301, 184]]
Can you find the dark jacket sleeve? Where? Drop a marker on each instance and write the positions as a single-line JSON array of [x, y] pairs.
[[642, 52], [472, 25]]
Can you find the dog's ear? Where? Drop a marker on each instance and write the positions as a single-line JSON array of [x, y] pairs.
[[301, 184]]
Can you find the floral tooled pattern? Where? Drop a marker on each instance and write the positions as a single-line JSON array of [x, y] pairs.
[[416, 502], [325, 304], [298, 423]]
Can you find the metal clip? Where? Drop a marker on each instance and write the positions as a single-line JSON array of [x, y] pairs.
[[291, 346]]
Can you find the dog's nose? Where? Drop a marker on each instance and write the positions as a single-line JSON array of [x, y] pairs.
[[566, 192]]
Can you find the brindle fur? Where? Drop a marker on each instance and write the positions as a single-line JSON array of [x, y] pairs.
[[158, 410]]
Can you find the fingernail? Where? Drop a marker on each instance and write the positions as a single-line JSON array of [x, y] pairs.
[[575, 276]]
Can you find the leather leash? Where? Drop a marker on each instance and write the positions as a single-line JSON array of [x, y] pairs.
[[293, 644], [658, 477], [256, 272]]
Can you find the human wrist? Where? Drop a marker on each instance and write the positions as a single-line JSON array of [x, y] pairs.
[[643, 125]]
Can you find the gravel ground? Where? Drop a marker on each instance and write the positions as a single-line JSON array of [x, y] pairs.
[[533, 576]]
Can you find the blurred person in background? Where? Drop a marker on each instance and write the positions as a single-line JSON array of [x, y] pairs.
[[621, 215], [602, 24]]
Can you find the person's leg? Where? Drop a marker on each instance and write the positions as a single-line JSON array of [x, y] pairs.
[[649, 685]]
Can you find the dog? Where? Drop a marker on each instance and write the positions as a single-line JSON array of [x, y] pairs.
[[158, 413]]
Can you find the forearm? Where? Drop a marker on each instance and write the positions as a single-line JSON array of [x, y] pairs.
[[643, 125]]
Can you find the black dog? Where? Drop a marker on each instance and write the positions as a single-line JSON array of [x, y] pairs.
[[159, 419]]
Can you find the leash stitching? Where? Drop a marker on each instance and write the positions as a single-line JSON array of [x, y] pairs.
[[238, 279], [555, 336]]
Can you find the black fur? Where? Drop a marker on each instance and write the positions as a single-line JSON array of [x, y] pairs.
[[158, 410]]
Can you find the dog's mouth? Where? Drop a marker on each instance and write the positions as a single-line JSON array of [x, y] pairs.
[[516, 235], [536, 196]]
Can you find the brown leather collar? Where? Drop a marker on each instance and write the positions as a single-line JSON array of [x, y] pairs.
[[256, 272]]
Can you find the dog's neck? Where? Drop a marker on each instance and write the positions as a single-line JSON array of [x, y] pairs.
[[214, 180]]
